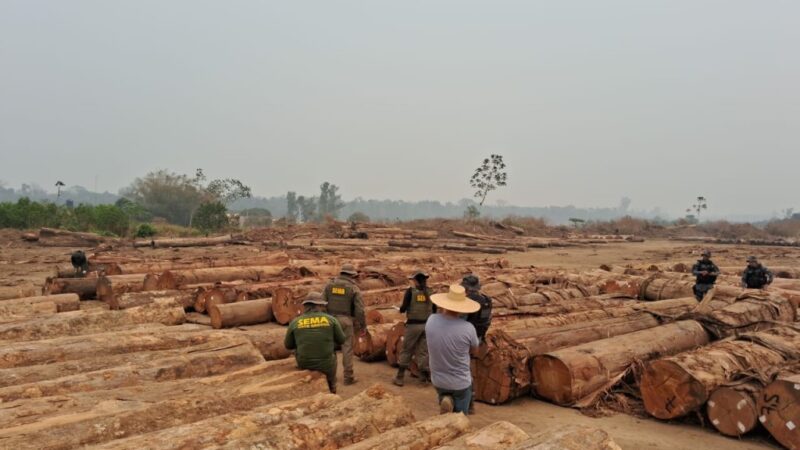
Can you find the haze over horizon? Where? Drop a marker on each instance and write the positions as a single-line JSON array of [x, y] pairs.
[[588, 102]]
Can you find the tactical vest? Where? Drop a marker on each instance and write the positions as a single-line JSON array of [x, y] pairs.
[[708, 267], [755, 278], [421, 306], [340, 293]]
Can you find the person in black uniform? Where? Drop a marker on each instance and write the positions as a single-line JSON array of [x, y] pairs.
[[417, 306], [80, 263], [755, 275], [480, 319], [706, 272]]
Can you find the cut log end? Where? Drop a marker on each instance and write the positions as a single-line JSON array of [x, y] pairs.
[[669, 391], [553, 380], [732, 412], [779, 406]]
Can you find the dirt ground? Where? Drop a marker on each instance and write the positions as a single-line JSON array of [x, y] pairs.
[[29, 264]]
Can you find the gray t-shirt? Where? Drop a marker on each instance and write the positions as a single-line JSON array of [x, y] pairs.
[[449, 341]]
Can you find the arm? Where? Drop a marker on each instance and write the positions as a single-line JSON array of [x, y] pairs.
[[696, 270], [338, 333], [744, 278], [770, 276], [289, 341], [406, 301], [474, 343], [326, 292], [714, 270]]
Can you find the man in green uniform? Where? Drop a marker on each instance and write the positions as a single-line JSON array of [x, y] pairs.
[[418, 307], [314, 335], [345, 303]]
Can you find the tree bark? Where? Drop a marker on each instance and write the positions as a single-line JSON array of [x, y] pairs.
[[570, 437], [425, 434], [186, 242], [495, 436], [576, 375], [219, 357], [212, 296], [86, 288], [111, 286], [372, 346], [249, 312], [14, 292], [183, 298], [174, 279], [268, 339], [213, 431], [62, 302], [102, 416], [87, 322], [677, 385], [753, 313], [394, 343], [779, 408], [268, 259]]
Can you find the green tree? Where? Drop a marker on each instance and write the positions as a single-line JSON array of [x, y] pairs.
[[488, 176], [308, 208], [292, 208], [472, 212], [358, 217], [330, 202], [169, 195], [211, 216]]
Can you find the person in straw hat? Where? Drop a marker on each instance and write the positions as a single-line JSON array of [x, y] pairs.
[[314, 335], [450, 340]]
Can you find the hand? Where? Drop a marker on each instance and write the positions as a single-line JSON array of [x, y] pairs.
[[363, 333], [703, 272]]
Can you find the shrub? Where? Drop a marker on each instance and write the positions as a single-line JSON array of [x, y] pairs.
[[145, 230], [358, 217], [212, 216]]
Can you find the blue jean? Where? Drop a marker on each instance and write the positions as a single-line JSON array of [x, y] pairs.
[[461, 398]]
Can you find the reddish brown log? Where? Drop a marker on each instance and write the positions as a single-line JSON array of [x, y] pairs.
[[779, 408], [394, 342], [249, 312], [111, 286], [186, 242], [173, 279], [86, 288], [576, 375], [372, 345], [287, 304], [207, 297], [377, 316], [732, 409]]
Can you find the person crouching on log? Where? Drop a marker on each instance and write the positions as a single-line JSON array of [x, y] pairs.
[[418, 307], [450, 340], [755, 275], [345, 303], [80, 263], [706, 272], [313, 335], [481, 319]]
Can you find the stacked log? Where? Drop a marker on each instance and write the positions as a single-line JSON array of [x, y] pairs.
[[173, 279], [61, 302], [111, 286], [570, 437], [375, 316], [371, 346], [495, 436], [248, 312], [732, 409], [185, 298], [576, 375], [207, 297], [676, 385], [127, 268], [287, 304], [12, 292], [426, 434], [394, 342], [751, 313], [185, 242], [779, 406], [86, 288], [84, 322]]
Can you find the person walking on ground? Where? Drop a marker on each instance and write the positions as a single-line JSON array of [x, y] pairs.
[[481, 319], [706, 273], [418, 307], [755, 275], [450, 340], [344, 302], [313, 335], [80, 263]]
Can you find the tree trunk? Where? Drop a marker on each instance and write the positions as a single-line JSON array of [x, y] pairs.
[[779, 406], [209, 433], [268, 259], [568, 438], [677, 385], [732, 409], [753, 313], [495, 436], [368, 414], [14, 292], [63, 303], [380, 315], [425, 434], [103, 416], [268, 339], [185, 242], [86, 288], [475, 249], [111, 286], [174, 279], [14, 313], [184, 298], [219, 357], [576, 375], [249, 312], [394, 343], [87, 322], [287, 304], [212, 296], [372, 346]]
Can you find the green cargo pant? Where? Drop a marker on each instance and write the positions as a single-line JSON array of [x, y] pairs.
[[414, 342], [347, 348]]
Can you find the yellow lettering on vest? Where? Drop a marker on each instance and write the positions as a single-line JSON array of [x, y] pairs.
[[337, 291], [421, 297], [313, 322]]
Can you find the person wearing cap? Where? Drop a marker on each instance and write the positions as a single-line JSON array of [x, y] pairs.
[[80, 263], [345, 303], [450, 340], [418, 307], [482, 319], [755, 275], [313, 335], [706, 273]]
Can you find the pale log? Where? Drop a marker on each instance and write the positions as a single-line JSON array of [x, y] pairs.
[[173, 279], [185, 298], [425, 434], [394, 342], [160, 266], [12, 292], [63, 302], [496, 436], [248, 312], [185, 242], [570, 437]]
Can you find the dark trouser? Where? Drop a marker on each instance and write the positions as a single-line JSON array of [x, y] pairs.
[[461, 398], [330, 374], [347, 348], [700, 290], [414, 342]]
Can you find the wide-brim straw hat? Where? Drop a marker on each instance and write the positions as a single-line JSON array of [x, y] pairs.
[[456, 300]]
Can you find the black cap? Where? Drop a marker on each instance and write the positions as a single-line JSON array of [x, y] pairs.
[[471, 282]]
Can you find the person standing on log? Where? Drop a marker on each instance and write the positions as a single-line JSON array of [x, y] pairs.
[[450, 340], [706, 273], [313, 335], [80, 263], [755, 275], [344, 302], [418, 307], [481, 319]]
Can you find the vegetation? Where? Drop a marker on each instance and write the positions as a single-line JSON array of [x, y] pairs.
[[472, 212], [358, 217], [145, 230], [211, 216], [488, 176], [25, 214]]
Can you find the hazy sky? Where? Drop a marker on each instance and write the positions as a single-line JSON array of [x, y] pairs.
[[588, 101]]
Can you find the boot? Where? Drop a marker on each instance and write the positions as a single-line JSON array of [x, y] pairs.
[[350, 381], [399, 378], [447, 405], [424, 377]]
